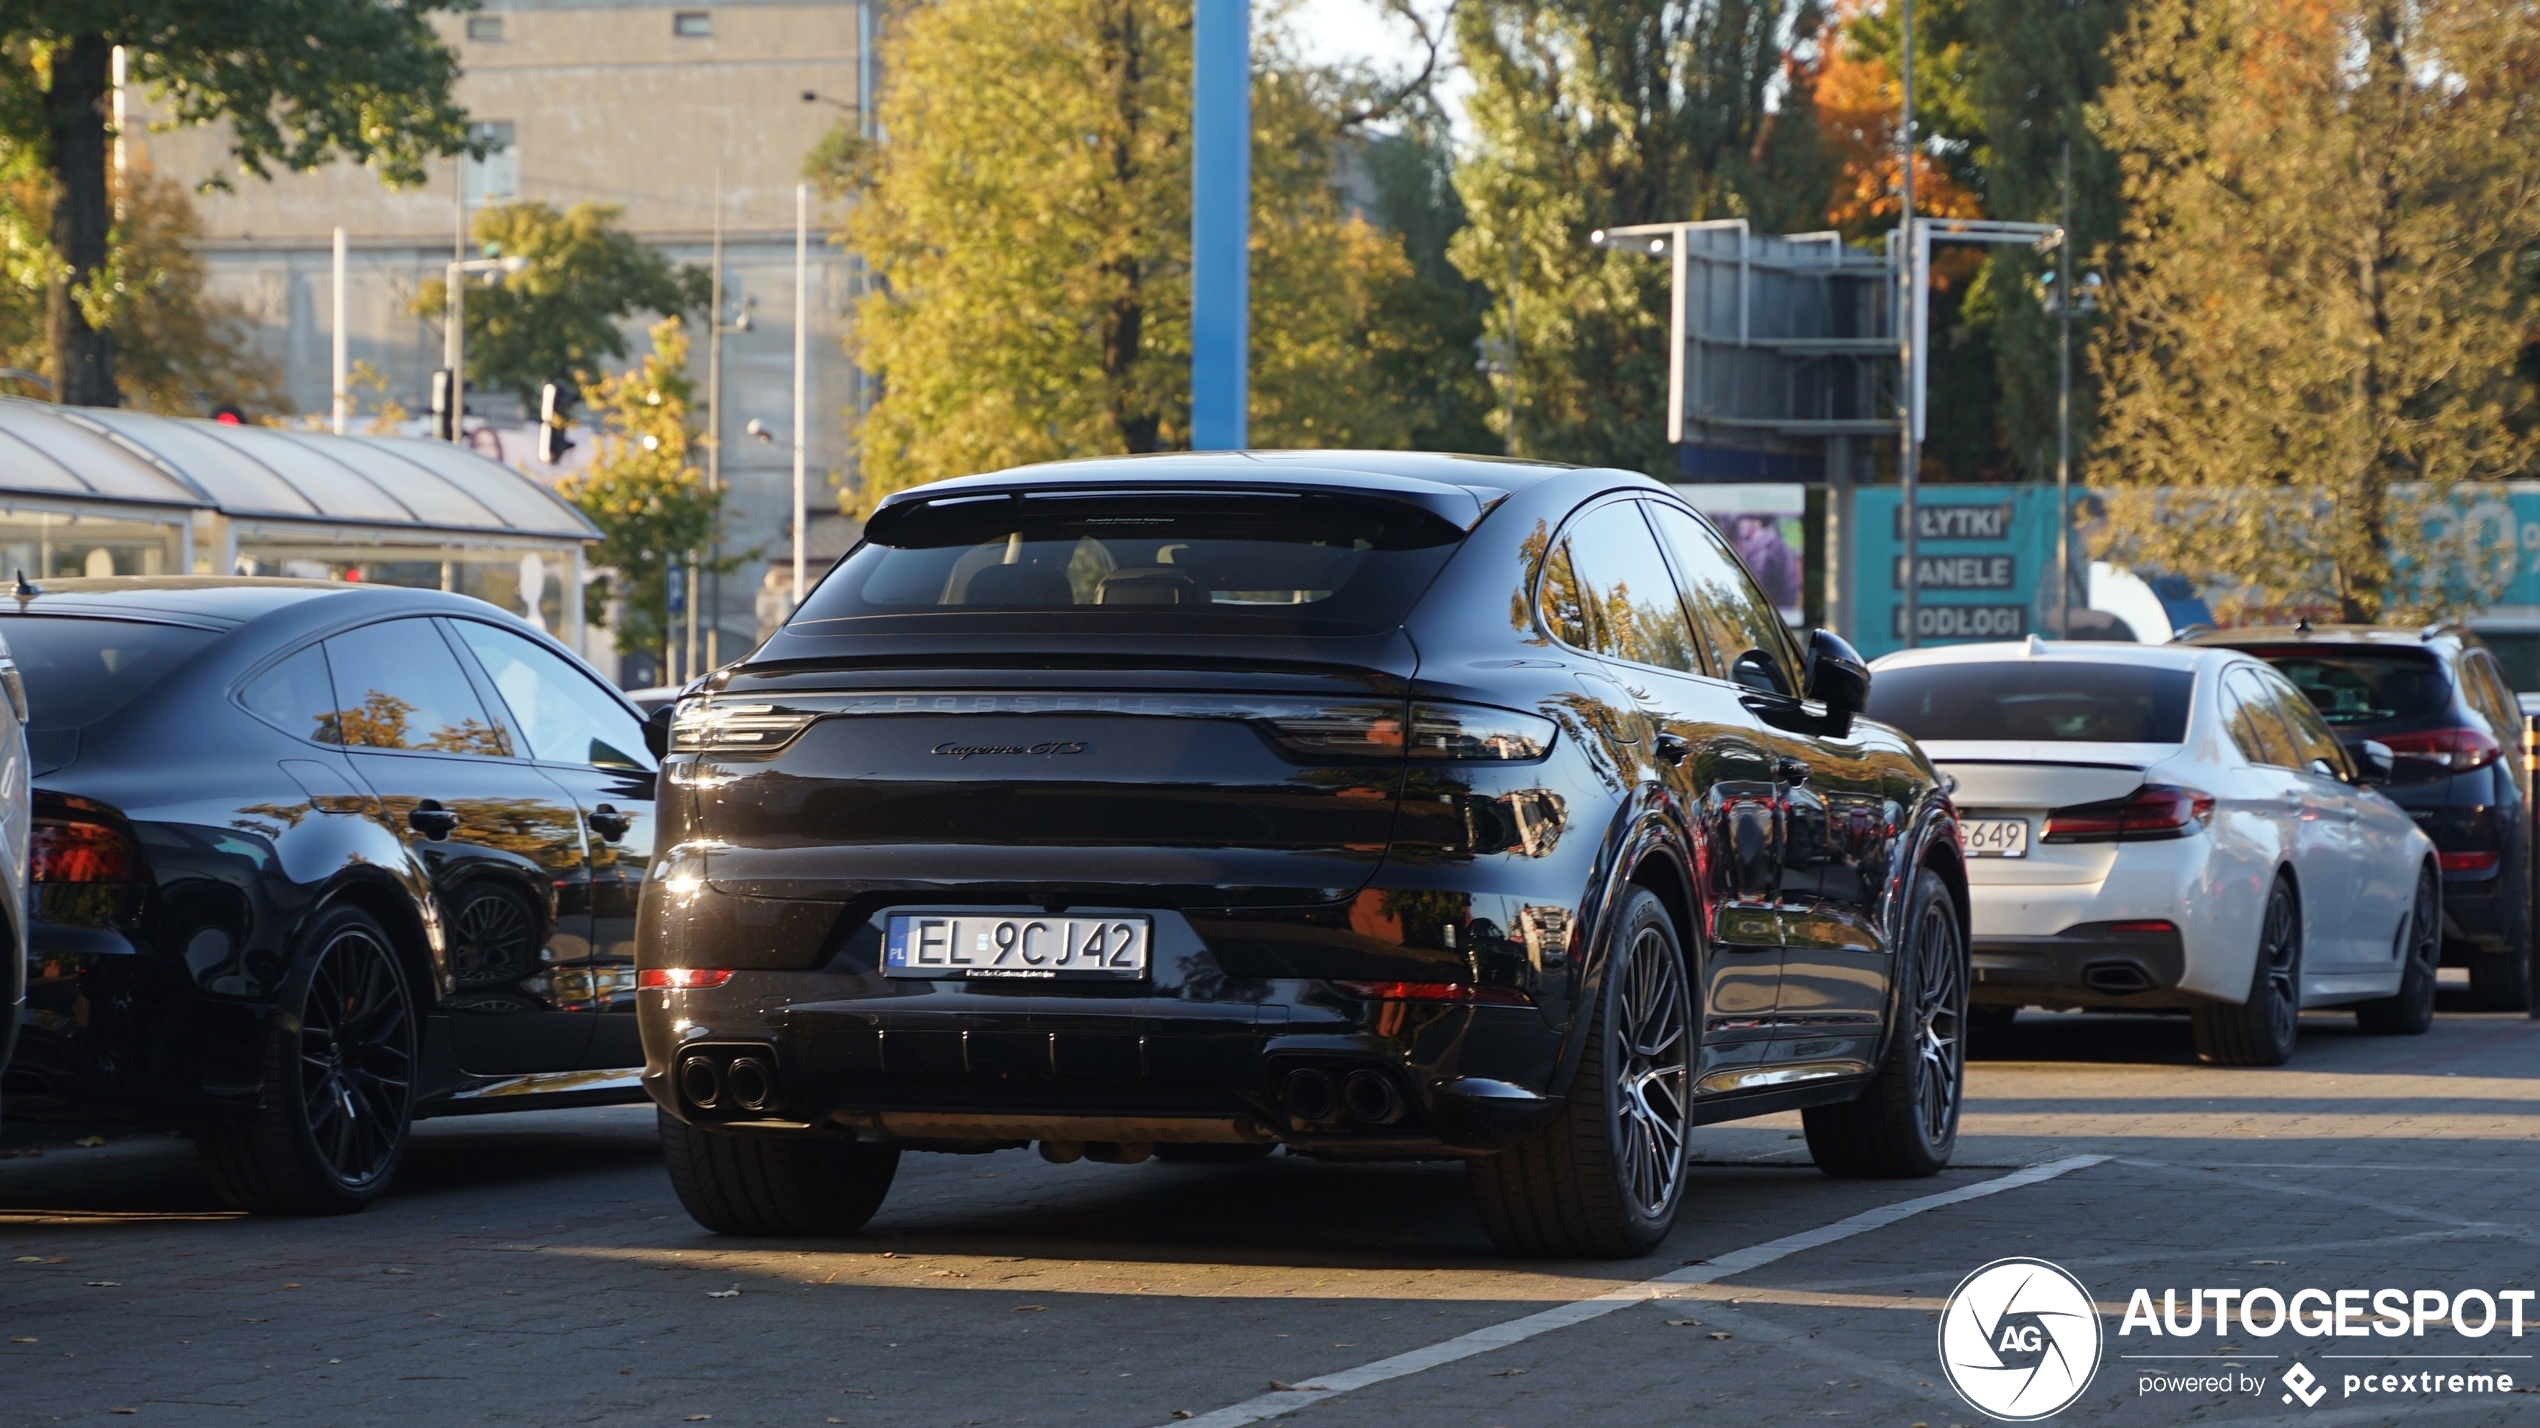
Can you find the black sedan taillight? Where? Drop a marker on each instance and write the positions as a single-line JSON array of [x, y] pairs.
[[2152, 812], [72, 850]]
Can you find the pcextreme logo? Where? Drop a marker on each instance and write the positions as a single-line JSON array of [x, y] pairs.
[[2020, 1340]]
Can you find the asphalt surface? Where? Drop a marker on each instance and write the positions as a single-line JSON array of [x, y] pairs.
[[537, 1270]]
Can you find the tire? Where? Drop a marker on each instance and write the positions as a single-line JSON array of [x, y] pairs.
[[2410, 1010], [2261, 1031], [338, 1098], [1212, 1153], [2500, 981], [768, 1186], [1904, 1124], [1604, 1178]]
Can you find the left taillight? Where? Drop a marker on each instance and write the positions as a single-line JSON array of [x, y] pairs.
[[2152, 812], [682, 979], [703, 726], [66, 850]]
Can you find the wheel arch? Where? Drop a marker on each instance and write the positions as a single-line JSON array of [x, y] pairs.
[[415, 932]]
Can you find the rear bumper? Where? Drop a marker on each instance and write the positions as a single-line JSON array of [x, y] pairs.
[[2091, 965], [110, 1036], [943, 1067]]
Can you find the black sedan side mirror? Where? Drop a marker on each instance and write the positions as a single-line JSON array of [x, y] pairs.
[[657, 731], [2373, 761], [1835, 676]]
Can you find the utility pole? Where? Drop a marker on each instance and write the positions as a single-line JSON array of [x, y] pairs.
[[802, 370], [2064, 411], [342, 347], [1221, 222], [1909, 455], [714, 437], [454, 349]]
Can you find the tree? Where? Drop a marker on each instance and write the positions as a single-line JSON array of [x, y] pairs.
[[650, 502], [183, 351], [1592, 114], [556, 320], [297, 81], [2315, 317], [1028, 228], [1433, 368]]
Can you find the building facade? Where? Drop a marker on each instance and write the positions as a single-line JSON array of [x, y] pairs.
[[656, 107]]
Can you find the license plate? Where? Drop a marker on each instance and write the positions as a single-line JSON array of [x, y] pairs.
[[991, 945], [1994, 837]]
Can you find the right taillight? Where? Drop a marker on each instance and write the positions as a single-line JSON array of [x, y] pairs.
[[2458, 750], [2154, 811], [1472, 731], [77, 851]]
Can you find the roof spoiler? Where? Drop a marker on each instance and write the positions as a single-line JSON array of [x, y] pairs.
[[1459, 506]]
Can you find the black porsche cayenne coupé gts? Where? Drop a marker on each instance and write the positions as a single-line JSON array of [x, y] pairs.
[[1374, 805], [312, 860]]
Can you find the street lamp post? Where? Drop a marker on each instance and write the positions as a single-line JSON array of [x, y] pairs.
[[454, 340]]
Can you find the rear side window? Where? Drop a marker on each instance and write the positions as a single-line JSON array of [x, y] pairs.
[[297, 697], [398, 686], [2356, 688], [2046, 701], [1252, 562], [79, 671], [1625, 579]]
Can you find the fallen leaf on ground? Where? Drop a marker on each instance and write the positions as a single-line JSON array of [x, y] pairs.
[[105, 1284], [1686, 1323], [290, 1286], [30, 1259], [123, 1410], [1029, 1308], [1181, 1413], [1715, 1334], [2266, 1261], [96, 1140], [17, 1339], [394, 1270], [1505, 1373], [732, 1293]]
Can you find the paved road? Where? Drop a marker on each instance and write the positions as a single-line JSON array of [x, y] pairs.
[[536, 1270]]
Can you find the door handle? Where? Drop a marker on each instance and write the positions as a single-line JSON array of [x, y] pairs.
[[1790, 770], [1672, 748], [433, 821], [610, 824]]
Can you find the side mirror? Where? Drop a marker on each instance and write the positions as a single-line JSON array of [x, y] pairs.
[[2373, 761], [657, 731], [1835, 676]]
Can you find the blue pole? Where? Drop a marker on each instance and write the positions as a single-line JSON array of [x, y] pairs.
[[1221, 221]]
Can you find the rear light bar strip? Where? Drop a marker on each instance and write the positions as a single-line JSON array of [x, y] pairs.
[[1464, 992], [682, 979], [2152, 812]]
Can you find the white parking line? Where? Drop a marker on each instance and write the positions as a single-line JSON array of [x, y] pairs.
[[1580, 1311]]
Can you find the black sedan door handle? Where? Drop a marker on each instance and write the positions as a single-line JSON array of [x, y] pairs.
[[610, 824], [1672, 748], [1791, 770], [433, 821]]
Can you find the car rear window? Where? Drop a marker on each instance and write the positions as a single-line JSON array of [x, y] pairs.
[[2045, 701], [79, 671], [1250, 562], [2356, 688]]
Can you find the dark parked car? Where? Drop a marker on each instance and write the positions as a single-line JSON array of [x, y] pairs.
[[1376, 805], [2438, 700], [312, 860]]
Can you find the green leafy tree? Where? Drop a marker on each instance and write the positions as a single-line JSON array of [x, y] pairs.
[[1028, 225], [1434, 368], [1592, 114], [2315, 321], [556, 320], [649, 500], [298, 82]]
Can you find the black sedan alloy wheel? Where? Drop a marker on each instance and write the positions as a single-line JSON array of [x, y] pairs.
[[339, 1084]]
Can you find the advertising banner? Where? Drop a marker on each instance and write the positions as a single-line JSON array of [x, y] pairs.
[[1986, 565]]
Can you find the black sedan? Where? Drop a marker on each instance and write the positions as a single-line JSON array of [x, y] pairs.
[[1370, 804], [312, 860]]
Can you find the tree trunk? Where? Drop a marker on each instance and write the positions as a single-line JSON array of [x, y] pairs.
[[75, 130]]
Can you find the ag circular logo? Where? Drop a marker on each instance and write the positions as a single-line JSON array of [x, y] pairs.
[[2020, 1339]]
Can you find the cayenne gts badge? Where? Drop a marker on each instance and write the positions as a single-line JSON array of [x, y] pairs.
[[2020, 1339], [1050, 749]]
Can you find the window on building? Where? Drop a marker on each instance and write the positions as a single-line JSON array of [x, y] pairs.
[[484, 27], [494, 178], [693, 24]]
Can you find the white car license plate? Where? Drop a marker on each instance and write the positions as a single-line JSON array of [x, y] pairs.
[[1994, 837], [997, 945]]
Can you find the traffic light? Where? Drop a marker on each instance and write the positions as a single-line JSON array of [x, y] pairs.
[[552, 442], [444, 420]]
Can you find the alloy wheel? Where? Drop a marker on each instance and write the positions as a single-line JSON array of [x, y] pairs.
[[1652, 1073], [356, 1058], [2281, 950], [2425, 926], [1940, 1015]]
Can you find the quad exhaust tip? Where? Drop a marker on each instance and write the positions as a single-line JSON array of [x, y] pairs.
[[1369, 1097], [751, 1082], [1308, 1095], [701, 1082], [1316, 1097]]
